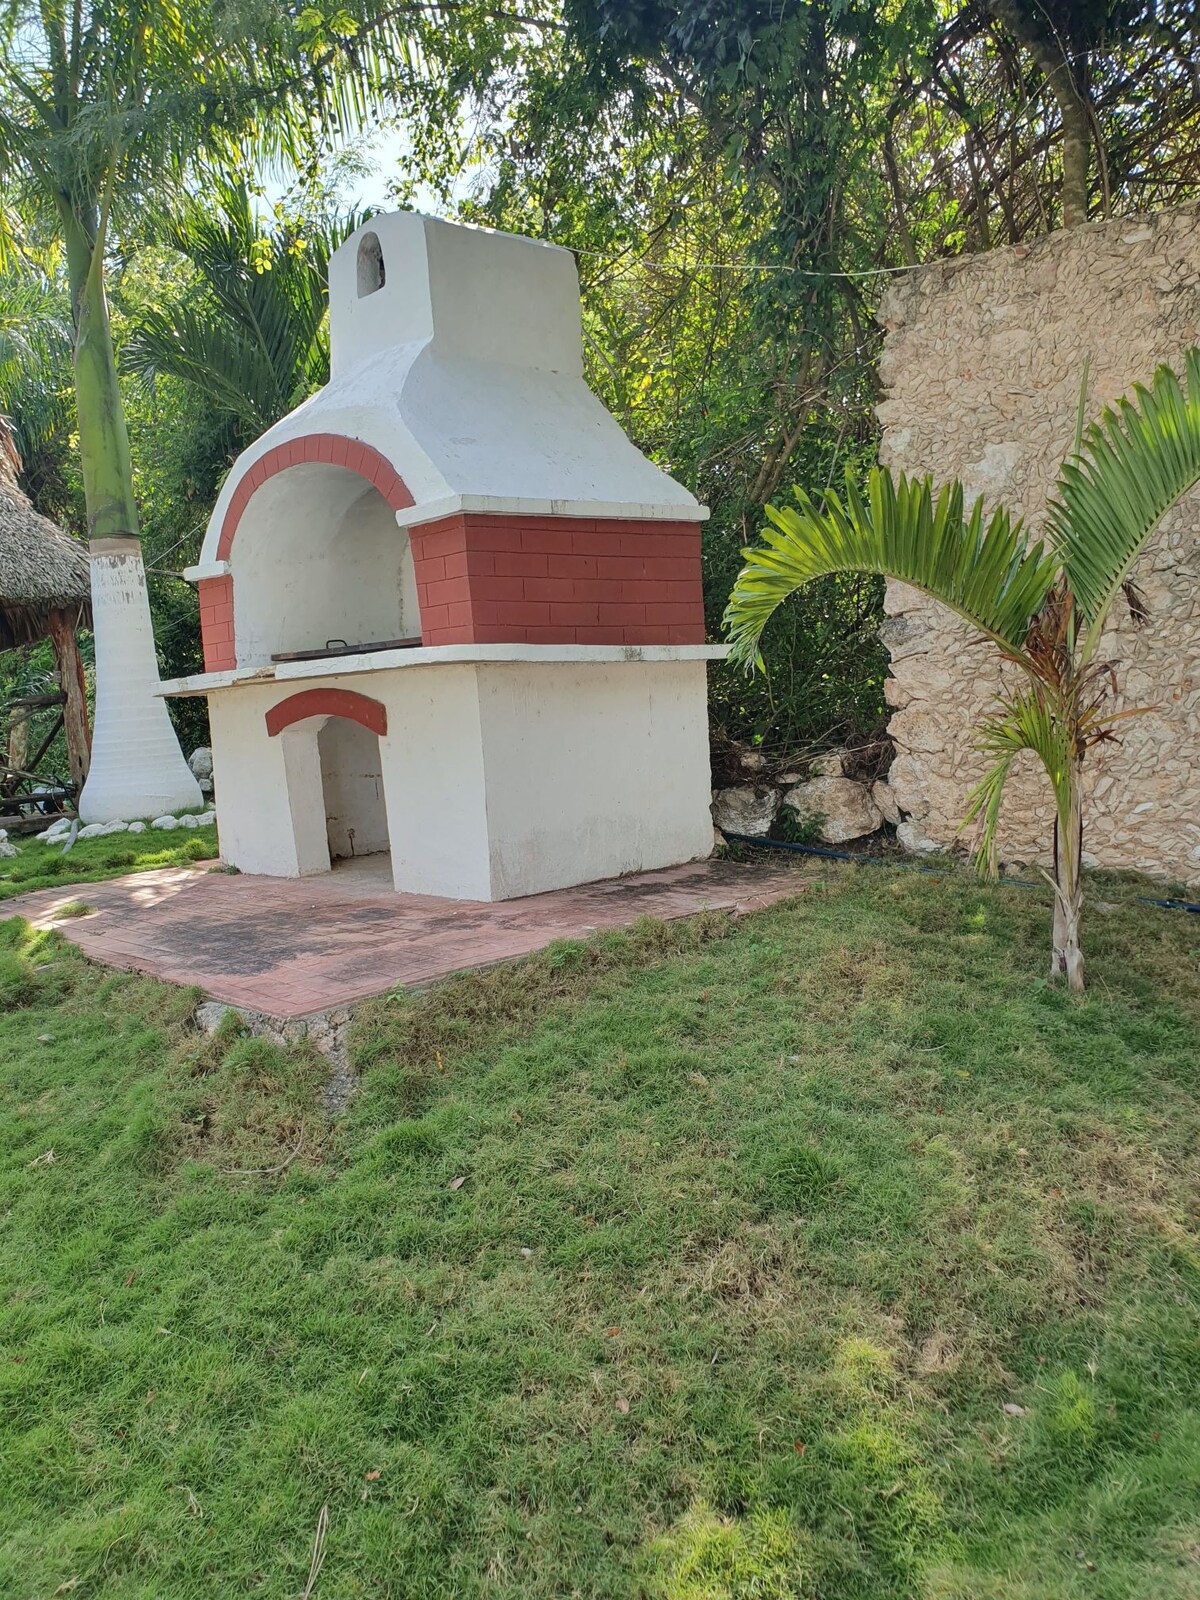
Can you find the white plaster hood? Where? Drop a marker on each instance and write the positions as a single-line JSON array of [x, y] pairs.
[[464, 369]]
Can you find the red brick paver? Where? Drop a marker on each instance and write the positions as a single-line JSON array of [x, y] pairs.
[[292, 946]]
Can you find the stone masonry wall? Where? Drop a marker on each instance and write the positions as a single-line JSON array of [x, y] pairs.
[[982, 368]]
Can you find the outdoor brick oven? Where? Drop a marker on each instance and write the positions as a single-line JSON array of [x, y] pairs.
[[448, 609]]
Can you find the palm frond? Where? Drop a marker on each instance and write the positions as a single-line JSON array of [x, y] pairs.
[[157, 89], [252, 333], [187, 342], [981, 568], [36, 390], [1026, 720], [1134, 464], [35, 327]]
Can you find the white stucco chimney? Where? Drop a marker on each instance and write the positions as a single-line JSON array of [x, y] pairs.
[[472, 293]]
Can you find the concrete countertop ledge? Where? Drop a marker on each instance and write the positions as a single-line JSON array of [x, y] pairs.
[[444, 655]]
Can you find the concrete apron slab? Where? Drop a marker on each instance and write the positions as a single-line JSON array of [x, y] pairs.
[[292, 949]]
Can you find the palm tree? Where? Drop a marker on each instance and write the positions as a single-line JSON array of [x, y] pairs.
[[252, 332], [1044, 607], [102, 104], [35, 384]]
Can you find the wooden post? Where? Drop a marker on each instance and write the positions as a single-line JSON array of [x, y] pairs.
[[70, 676], [18, 740]]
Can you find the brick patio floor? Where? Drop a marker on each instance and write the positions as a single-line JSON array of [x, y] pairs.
[[293, 946]]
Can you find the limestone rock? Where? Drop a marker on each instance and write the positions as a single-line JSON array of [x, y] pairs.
[[903, 638], [201, 763], [92, 830], [165, 822], [7, 848], [993, 474], [910, 836], [751, 761], [137, 827], [885, 799], [828, 765], [907, 781], [845, 808], [745, 810], [210, 1014]]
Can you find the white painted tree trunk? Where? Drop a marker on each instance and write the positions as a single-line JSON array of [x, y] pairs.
[[137, 766], [137, 769]]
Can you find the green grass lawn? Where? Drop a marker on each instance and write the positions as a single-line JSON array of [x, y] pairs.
[[44, 866], [826, 1254]]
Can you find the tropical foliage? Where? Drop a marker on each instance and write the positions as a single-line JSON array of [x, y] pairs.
[[737, 183], [1045, 610], [249, 326], [114, 111], [978, 567], [35, 379], [103, 108]]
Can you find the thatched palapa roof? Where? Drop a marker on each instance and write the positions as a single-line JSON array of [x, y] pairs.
[[42, 569]]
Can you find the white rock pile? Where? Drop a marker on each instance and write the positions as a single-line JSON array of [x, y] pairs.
[[843, 808], [61, 826], [749, 809]]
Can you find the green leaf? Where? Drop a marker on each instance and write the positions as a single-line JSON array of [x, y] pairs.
[[1134, 464], [981, 569], [1026, 720]]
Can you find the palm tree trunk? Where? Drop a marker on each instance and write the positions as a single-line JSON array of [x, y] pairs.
[[137, 768], [1066, 960]]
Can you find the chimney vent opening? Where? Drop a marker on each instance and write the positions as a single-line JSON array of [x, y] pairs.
[[371, 272]]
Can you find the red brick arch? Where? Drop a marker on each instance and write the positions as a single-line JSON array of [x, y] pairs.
[[328, 703], [334, 450]]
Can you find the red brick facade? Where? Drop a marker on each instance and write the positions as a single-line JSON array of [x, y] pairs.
[[216, 623], [558, 580], [502, 579]]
